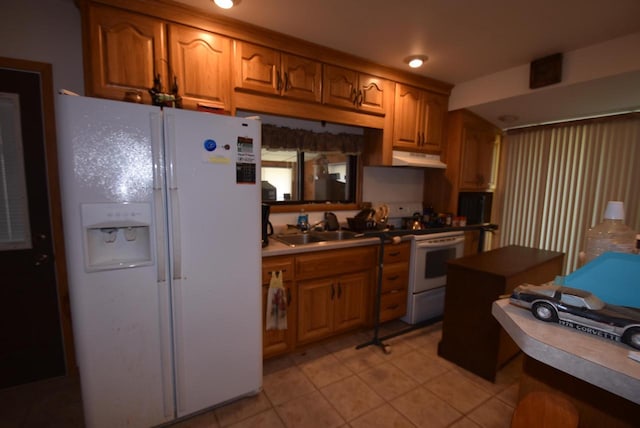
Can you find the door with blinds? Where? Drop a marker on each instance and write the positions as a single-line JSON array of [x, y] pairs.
[[31, 342]]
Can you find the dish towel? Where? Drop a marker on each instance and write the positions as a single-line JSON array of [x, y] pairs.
[[276, 303]]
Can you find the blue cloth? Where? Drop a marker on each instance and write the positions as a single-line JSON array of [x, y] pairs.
[[613, 277]]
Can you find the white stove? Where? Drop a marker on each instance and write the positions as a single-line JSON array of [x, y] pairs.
[[428, 264]]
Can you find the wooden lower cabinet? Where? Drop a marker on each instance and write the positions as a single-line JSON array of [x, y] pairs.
[[395, 281], [276, 342], [331, 305], [334, 291], [328, 292]]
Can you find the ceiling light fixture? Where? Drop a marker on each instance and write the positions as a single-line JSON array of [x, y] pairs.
[[416, 61], [226, 4]]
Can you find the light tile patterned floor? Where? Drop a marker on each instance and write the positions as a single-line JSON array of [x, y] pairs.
[[326, 385]]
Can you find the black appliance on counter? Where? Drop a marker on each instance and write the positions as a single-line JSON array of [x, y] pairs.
[[475, 206], [268, 191], [267, 228]]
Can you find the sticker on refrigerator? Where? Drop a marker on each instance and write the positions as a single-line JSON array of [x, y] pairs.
[[246, 161], [245, 150], [216, 153], [245, 173]]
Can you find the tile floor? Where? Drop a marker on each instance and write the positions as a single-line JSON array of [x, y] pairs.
[[327, 385]]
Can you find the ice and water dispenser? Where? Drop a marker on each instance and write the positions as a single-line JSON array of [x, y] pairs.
[[116, 235]]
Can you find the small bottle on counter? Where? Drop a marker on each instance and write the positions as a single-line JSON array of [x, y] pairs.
[[303, 221]]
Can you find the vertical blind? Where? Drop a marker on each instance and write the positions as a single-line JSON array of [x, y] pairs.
[[558, 179]]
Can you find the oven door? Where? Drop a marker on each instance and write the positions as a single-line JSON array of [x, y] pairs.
[[431, 256]]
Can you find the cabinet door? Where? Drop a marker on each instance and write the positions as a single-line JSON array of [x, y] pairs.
[[340, 86], [275, 342], [256, 68], [315, 308], [436, 107], [371, 93], [127, 51], [301, 78], [350, 301], [201, 65], [477, 159], [407, 124]]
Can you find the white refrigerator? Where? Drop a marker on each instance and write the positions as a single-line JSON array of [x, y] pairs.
[[161, 216]]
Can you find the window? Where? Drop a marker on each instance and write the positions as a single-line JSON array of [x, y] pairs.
[[292, 176], [306, 161], [558, 179]]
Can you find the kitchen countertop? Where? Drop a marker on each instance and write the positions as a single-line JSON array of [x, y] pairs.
[[277, 248], [600, 362]]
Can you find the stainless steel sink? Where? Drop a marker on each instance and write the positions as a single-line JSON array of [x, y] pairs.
[[336, 235], [314, 237]]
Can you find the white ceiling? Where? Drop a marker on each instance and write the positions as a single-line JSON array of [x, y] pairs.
[[467, 41]]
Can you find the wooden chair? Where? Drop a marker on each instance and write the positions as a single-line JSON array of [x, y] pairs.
[[541, 409]]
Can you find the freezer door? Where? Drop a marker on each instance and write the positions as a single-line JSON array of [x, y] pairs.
[[120, 315], [214, 200]]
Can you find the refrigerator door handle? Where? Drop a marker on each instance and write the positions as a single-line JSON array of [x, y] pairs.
[[158, 197], [175, 233], [160, 220], [172, 184]]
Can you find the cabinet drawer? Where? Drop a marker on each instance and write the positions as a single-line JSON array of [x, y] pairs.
[[395, 277], [335, 262], [397, 253], [274, 265], [393, 305]]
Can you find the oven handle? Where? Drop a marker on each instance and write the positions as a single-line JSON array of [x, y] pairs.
[[440, 242]]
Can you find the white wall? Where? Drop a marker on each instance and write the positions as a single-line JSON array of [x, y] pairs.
[[395, 184], [45, 31]]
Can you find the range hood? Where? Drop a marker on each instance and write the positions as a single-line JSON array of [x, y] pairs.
[[422, 160]]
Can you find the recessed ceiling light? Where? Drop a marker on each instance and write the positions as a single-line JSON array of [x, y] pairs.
[[226, 4], [416, 61]]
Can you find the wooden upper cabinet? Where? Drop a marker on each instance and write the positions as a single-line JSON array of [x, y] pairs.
[[127, 51], [201, 65], [407, 122], [478, 166], [419, 119], [350, 89], [436, 116], [269, 71]]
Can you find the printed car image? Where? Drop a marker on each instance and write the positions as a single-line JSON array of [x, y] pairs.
[[581, 310]]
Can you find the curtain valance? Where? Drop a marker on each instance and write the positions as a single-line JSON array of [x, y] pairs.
[[302, 140]]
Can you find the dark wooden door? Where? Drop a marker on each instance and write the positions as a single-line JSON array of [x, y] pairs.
[[31, 340]]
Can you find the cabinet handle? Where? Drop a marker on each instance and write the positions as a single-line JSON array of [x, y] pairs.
[[393, 278], [279, 80], [393, 306], [354, 96], [333, 291], [360, 98], [287, 82], [288, 297], [395, 253], [339, 290]]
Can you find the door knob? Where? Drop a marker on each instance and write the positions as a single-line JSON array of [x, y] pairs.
[[41, 259]]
